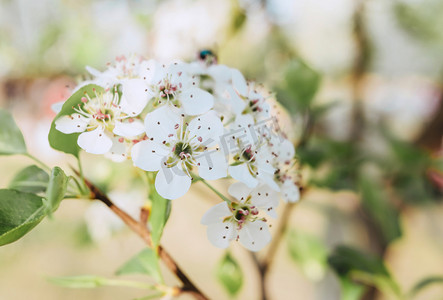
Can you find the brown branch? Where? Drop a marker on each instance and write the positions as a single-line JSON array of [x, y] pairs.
[[264, 265], [141, 230]]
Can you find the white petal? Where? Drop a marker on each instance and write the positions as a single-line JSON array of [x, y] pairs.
[[179, 74], [172, 183], [148, 155], [290, 191], [161, 124], [57, 106], [212, 165], [71, 124], [254, 235], [118, 151], [129, 129], [269, 180], [239, 82], [216, 214], [135, 96], [220, 234], [239, 190], [265, 198], [95, 141], [152, 72], [207, 126], [283, 148], [237, 103], [241, 173], [196, 101], [93, 71], [220, 73]]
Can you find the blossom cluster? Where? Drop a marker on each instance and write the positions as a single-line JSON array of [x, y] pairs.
[[192, 120]]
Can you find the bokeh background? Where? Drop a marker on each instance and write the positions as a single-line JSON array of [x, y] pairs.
[[362, 82]]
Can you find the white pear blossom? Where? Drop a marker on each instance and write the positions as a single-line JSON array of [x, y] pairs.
[[101, 120], [173, 86], [253, 164], [121, 70], [240, 220], [174, 148]]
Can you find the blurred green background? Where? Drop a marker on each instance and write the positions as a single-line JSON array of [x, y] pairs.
[[362, 82]]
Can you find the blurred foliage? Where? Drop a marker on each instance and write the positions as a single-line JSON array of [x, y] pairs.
[[309, 253], [19, 213], [298, 87], [31, 179], [229, 274], [424, 283], [351, 265], [423, 20], [145, 262], [11, 138]]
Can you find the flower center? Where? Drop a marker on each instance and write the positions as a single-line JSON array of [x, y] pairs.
[[182, 150]]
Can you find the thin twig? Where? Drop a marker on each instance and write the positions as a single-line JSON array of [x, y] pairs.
[[141, 230]]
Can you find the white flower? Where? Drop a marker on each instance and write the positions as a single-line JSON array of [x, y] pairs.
[[122, 69], [175, 148], [256, 108], [288, 178], [253, 163], [100, 119], [171, 86], [240, 220], [226, 84]]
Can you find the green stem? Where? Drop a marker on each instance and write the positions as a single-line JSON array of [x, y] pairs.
[[77, 185], [223, 197], [38, 161]]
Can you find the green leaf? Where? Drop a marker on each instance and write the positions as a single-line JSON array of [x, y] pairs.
[[92, 281], [422, 284], [56, 190], [298, 87], [230, 275], [145, 262], [309, 253], [351, 290], [352, 265], [68, 142], [11, 138], [160, 211], [376, 203], [31, 179], [19, 213]]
